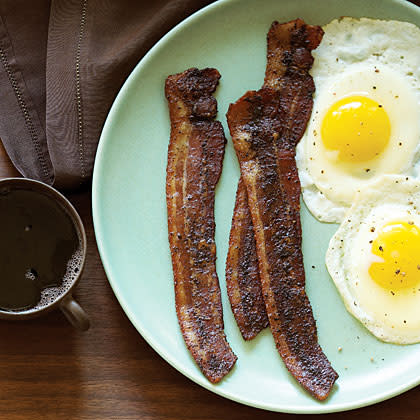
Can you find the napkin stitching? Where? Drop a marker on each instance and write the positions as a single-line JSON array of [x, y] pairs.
[[78, 89], [23, 107]]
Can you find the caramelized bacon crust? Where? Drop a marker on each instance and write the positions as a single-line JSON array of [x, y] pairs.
[[195, 157], [289, 57], [266, 126], [289, 48], [242, 276]]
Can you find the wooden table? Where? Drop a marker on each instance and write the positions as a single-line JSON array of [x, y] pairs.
[[50, 371]]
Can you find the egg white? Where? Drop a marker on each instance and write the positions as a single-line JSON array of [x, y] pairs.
[[373, 58], [391, 317]]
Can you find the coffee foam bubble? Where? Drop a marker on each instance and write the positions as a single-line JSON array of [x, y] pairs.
[[50, 294]]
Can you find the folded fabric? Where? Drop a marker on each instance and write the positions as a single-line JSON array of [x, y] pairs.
[[61, 64]]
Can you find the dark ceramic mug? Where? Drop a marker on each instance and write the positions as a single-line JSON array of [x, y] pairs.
[[63, 299]]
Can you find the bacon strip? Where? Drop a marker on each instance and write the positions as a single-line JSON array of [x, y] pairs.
[[242, 276], [266, 126], [195, 157]]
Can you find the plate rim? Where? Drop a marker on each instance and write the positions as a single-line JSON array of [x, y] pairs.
[[323, 407]]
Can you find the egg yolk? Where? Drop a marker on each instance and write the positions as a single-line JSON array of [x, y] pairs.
[[398, 245], [356, 127]]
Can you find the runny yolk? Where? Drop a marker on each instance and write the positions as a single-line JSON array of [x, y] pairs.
[[356, 127], [398, 245]]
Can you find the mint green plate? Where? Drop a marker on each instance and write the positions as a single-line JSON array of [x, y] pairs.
[[129, 214]]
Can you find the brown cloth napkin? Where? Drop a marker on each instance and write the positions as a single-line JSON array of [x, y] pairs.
[[61, 64]]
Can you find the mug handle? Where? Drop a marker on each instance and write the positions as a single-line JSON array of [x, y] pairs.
[[74, 313]]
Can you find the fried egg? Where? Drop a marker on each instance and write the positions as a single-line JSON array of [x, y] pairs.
[[374, 259], [366, 115]]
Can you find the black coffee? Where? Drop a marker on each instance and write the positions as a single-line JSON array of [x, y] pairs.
[[38, 243]]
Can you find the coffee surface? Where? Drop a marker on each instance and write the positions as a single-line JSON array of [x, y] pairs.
[[38, 240]]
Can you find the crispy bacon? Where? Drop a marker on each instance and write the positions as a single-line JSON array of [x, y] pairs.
[[242, 277], [266, 126], [289, 57], [195, 157]]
